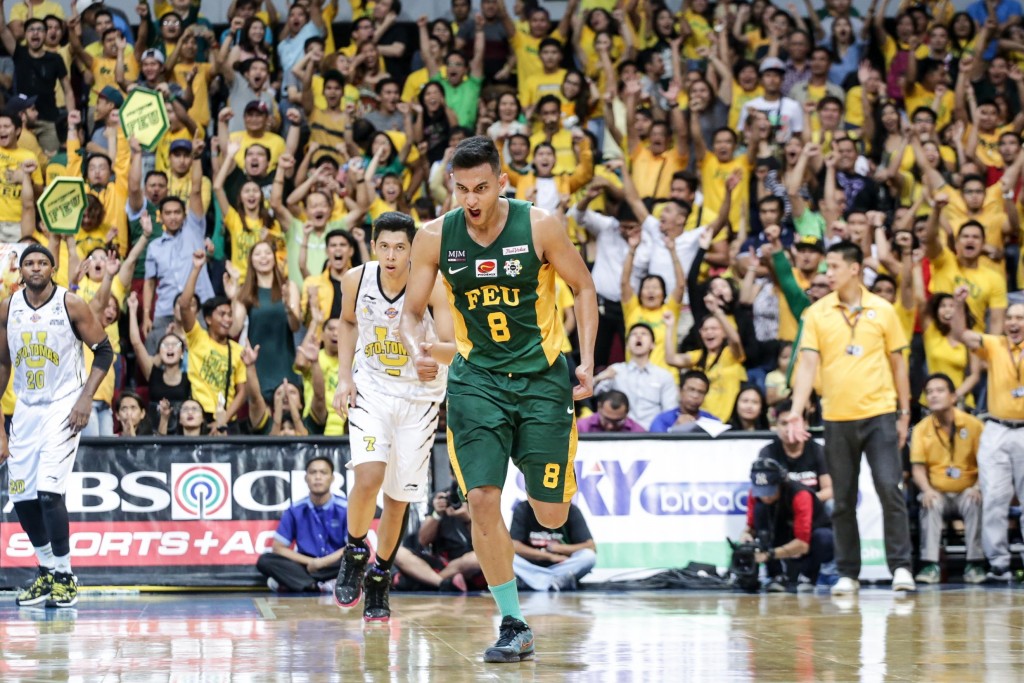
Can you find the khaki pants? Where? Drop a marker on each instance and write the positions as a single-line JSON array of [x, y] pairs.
[[933, 521], [46, 133]]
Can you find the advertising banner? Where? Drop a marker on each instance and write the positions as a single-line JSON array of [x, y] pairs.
[[664, 503], [178, 512], [174, 512]]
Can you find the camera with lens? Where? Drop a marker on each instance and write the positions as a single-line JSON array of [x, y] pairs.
[[454, 498]]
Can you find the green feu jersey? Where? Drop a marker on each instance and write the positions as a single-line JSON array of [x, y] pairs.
[[502, 295]]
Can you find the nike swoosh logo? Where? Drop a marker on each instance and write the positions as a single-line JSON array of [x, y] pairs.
[[569, 410], [452, 271]]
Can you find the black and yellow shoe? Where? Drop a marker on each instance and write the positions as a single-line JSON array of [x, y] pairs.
[[38, 591], [65, 590]]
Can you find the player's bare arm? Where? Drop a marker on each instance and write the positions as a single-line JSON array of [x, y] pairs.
[[348, 336], [422, 277], [553, 246], [444, 349], [91, 333], [5, 371]]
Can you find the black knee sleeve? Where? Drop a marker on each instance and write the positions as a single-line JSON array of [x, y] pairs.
[[55, 515], [30, 515]]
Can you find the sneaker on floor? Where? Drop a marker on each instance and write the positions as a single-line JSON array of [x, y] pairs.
[[564, 582], [804, 584], [827, 580], [974, 573], [326, 587], [930, 573], [65, 590], [38, 591], [903, 580], [453, 584], [846, 586], [776, 585], [999, 575], [376, 585], [514, 644], [348, 587], [273, 585]]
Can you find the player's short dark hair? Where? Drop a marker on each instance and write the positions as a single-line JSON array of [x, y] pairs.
[[313, 40], [625, 214], [33, 21], [973, 178], [944, 378], [153, 173], [213, 303], [394, 221], [476, 151], [850, 252], [614, 398], [694, 374], [321, 458], [831, 99]]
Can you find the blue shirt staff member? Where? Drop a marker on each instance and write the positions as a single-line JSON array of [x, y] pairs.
[[310, 537]]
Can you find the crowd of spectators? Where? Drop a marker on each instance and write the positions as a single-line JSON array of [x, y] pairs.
[[702, 159]]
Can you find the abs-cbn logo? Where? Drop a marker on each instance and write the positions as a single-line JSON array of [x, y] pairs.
[[190, 491]]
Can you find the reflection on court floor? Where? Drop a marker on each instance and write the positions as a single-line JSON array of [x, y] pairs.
[[953, 634]]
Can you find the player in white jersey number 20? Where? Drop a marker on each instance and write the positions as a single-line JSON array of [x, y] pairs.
[[392, 415], [41, 343]]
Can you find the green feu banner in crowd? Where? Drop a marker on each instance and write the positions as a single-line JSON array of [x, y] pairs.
[[144, 115], [62, 205], [655, 502]]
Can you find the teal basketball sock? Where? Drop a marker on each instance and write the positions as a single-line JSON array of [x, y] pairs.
[[507, 598]]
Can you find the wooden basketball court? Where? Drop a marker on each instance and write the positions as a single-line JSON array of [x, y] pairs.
[[954, 634]]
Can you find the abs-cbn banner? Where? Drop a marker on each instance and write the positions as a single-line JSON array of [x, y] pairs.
[[172, 513], [661, 503]]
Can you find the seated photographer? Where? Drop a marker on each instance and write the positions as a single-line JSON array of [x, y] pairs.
[[791, 528], [316, 526], [551, 559], [944, 455], [444, 549]]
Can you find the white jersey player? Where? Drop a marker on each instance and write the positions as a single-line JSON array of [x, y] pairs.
[[44, 327], [392, 414]]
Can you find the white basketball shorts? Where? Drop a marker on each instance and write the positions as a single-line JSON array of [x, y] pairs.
[[43, 448], [398, 432]]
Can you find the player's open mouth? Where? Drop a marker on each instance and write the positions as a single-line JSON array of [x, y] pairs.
[[475, 213]]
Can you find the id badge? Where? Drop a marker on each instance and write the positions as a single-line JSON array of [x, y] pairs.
[[857, 350], [953, 472], [1018, 392]]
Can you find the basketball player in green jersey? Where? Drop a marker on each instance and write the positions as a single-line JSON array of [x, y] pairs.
[[509, 394]]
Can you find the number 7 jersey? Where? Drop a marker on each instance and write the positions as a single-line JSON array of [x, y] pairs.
[[46, 353], [382, 364], [502, 295]]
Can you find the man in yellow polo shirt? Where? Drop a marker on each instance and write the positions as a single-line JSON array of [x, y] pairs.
[[944, 455], [1001, 452], [854, 340]]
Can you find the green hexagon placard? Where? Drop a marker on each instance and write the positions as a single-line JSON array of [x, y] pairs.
[[144, 115], [62, 205]]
